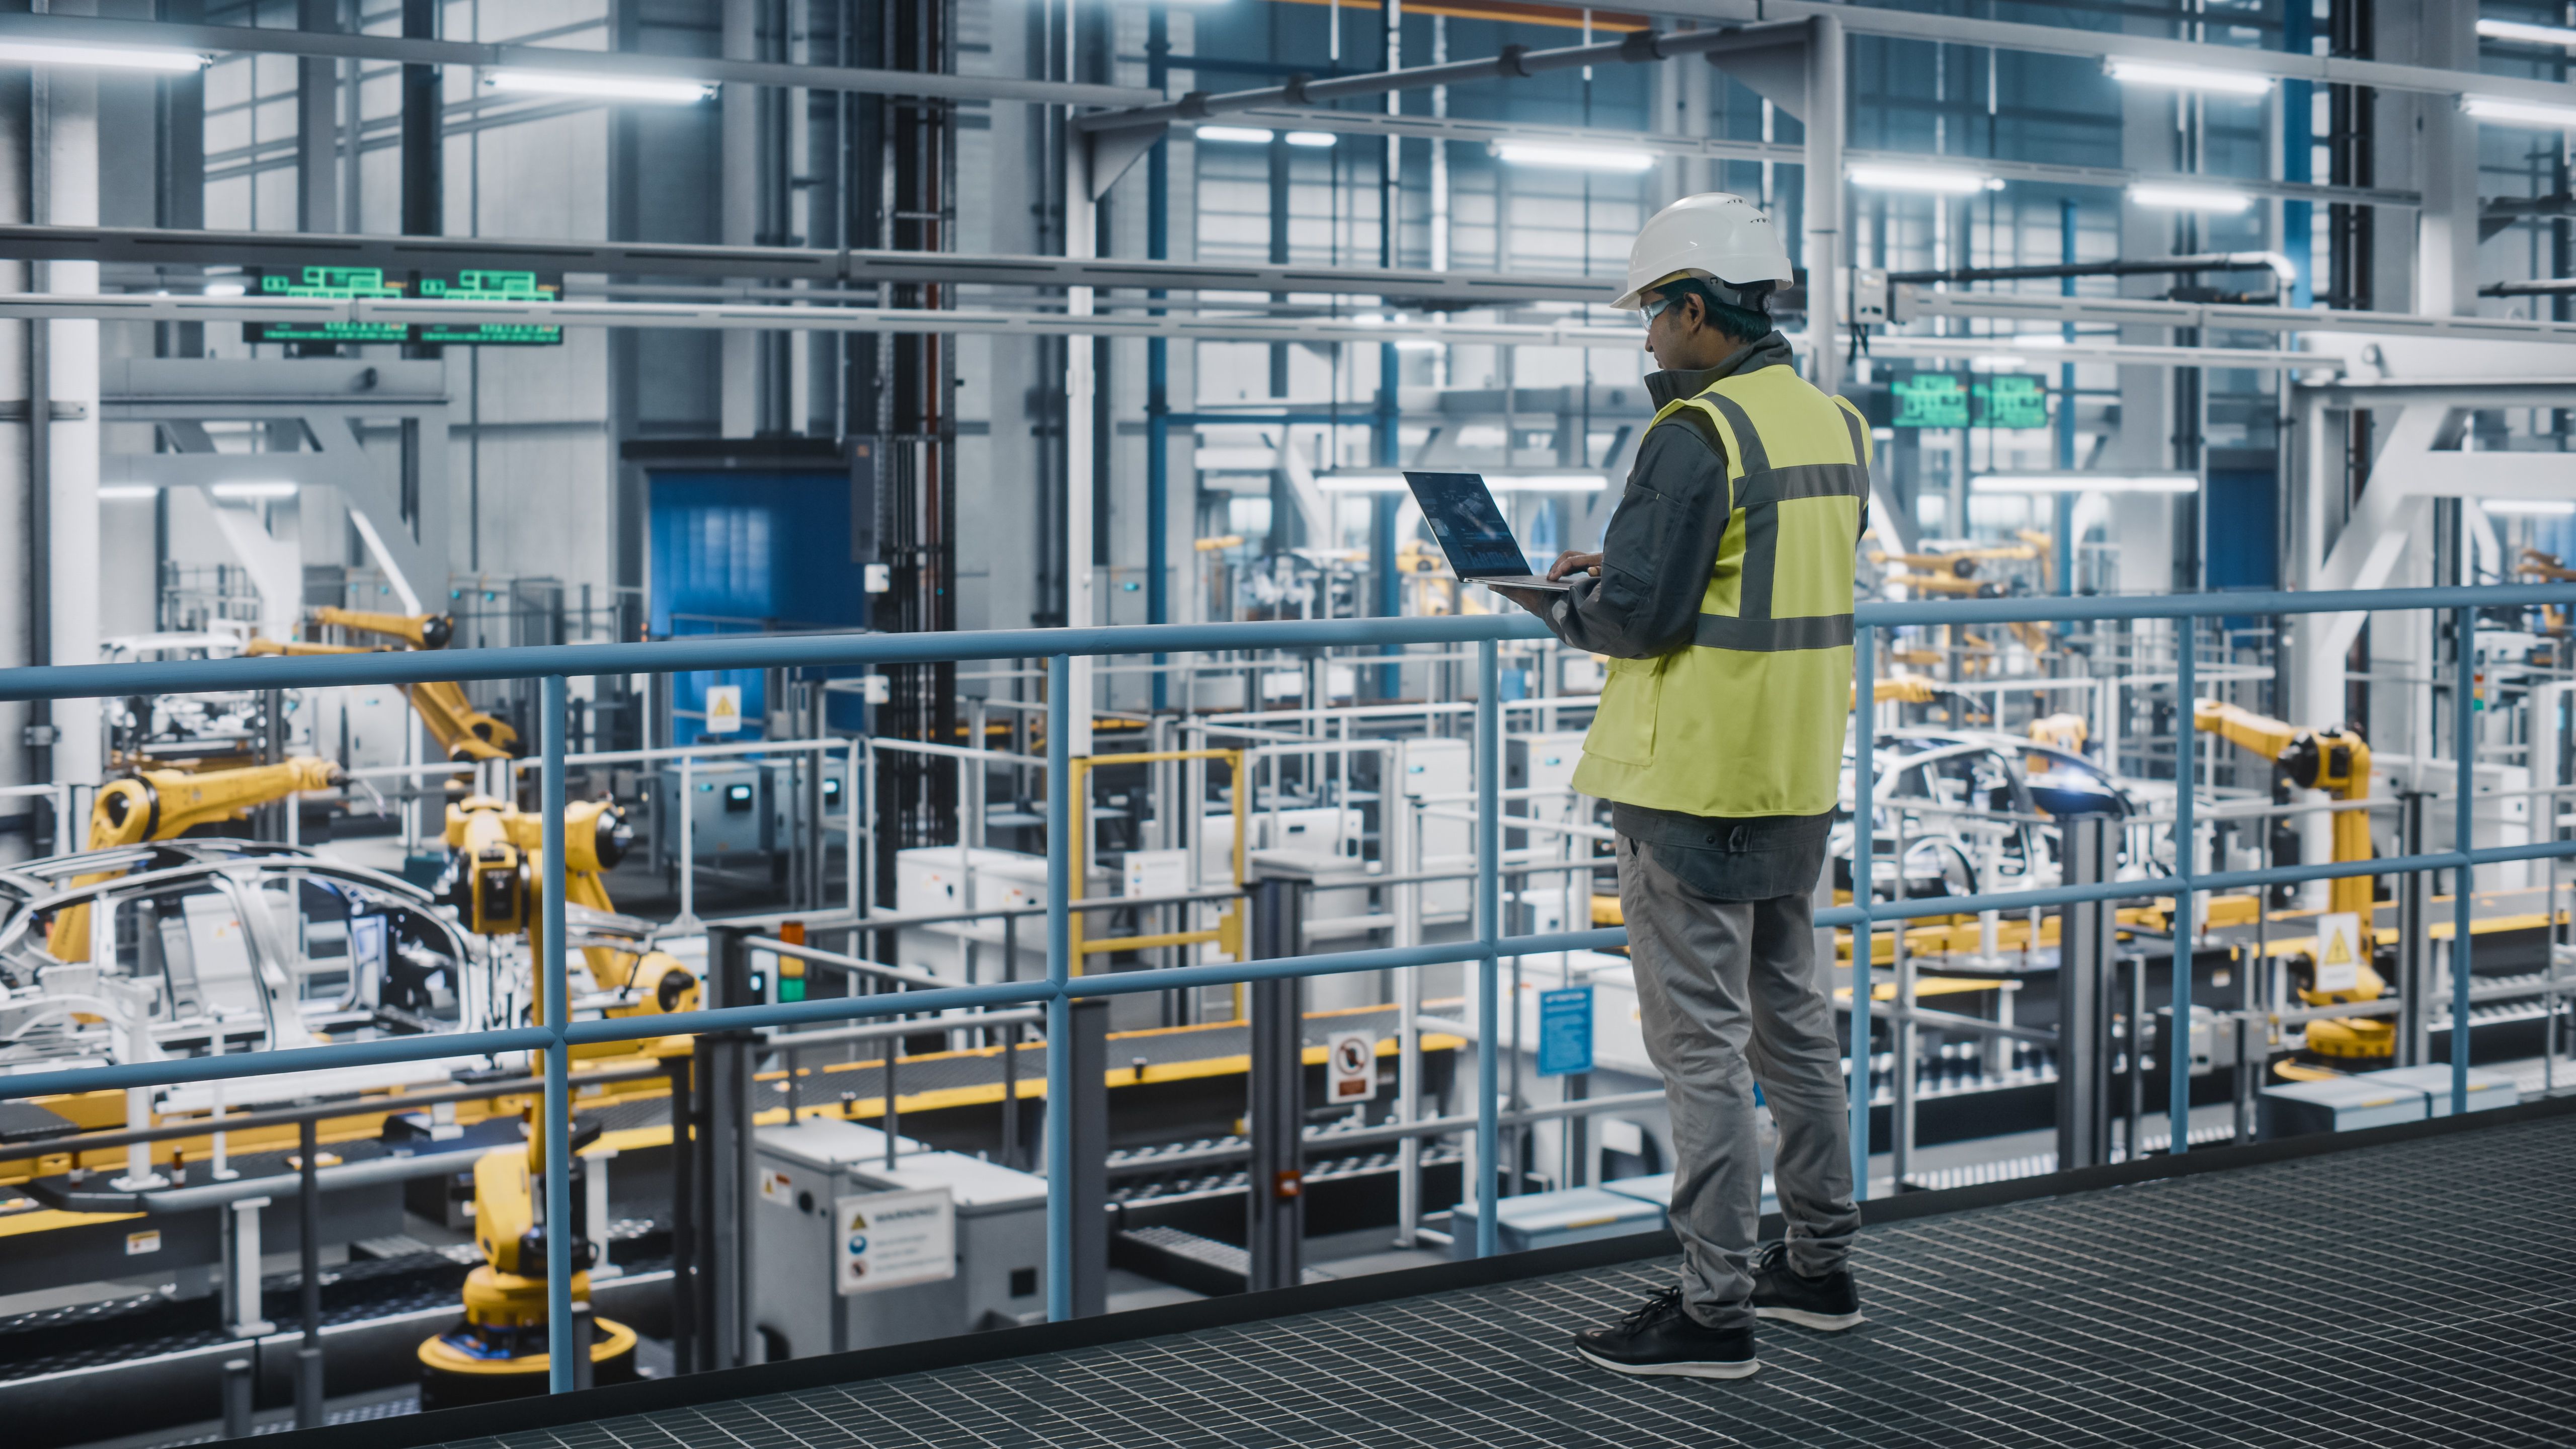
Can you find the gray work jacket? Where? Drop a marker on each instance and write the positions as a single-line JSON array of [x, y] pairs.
[[1654, 571]]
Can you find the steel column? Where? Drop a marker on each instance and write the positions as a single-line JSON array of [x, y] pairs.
[[1274, 1184], [2178, 1094], [1489, 913], [2464, 744], [1059, 1008], [1864, 891], [556, 1130], [2414, 935], [2084, 964]]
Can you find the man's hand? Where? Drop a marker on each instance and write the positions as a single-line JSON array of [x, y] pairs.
[[1533, 600], [1573, 562]]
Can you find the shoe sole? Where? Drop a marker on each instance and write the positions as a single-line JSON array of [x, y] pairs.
[[1704, 1370], [1827, 1322]]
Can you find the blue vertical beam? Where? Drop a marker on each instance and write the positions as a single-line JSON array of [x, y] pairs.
[[1489, 916], [1158, 403], [2464, 744], [2178, 1102], [1383, 506], [558, 1003], [2065, 509], [2297, 217], [1864, 890], [1059, 1102]]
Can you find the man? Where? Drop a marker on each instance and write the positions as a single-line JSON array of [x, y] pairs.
[[1722, 595]]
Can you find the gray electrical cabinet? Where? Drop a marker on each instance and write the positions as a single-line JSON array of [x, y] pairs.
[[795, 1247]]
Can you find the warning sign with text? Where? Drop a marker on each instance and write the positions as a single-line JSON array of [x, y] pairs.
[[891, 1239]]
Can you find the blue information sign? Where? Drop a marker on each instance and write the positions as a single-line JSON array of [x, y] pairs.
[[1565, 1031]]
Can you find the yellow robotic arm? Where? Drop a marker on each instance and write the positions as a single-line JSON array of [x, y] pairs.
[[500, 854], [2336, 761], [420, 631], [464, 732], [166, 804]]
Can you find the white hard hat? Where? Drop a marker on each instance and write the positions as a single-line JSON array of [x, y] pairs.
[[1714, 235]]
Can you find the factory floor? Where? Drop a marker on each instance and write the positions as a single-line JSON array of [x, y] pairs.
[[2416, 1284]]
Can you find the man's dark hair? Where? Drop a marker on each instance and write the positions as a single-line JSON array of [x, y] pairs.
[[1740, 323]]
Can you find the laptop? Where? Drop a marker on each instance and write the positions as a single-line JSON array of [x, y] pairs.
[[1470, 526]]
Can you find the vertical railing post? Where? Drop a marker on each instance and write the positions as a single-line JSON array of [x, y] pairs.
[[2464, 744], [1059, 1007], [1489, 916], [557, 1128], [1864, 874], [2178, 1095]]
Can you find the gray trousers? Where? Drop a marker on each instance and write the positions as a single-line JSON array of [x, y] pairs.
[[1729, 993]]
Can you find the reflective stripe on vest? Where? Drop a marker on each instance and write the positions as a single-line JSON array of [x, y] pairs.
[[1759, 489]]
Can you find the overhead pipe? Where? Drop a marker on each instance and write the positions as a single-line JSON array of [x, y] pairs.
[[2274, 262], [1515, 62]]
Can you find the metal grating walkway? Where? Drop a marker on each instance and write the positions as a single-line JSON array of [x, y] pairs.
[[2413, 1292]]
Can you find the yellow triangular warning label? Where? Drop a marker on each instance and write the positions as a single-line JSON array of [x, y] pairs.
[[2338, 949]]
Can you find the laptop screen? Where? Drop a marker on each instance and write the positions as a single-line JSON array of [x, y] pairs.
[[1470, 528]]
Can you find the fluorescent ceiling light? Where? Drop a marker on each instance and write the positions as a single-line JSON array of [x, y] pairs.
[[2190, 198], [1420, 344], [1949, 180], [252, 492], [2529, 507], [127, 492], [2529, 113], [2084, 483], [225, 289], [1248, 135], [613, 87], [1997, 362], [2534, 34], [1361, 482], [1548, 483], [2187, 77], [1575, 158], [1311, 138], [114, 57]]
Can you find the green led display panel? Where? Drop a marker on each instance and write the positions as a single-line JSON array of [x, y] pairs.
[[1931, 400], [1953, 400], [2011, 400], [351, 283]]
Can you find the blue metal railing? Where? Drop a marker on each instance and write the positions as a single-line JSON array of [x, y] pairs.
[[553, 666]]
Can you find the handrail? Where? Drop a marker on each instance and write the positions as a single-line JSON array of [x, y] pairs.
[[662, 656], [1060, 988]]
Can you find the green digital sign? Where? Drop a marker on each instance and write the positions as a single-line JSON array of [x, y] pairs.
[[2011, 400], [1931, 400], [1955, 400], [342, 284]]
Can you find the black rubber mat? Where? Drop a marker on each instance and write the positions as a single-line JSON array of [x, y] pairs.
[[2418, 1292]]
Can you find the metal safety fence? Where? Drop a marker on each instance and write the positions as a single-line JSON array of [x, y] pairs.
[[552, 667]]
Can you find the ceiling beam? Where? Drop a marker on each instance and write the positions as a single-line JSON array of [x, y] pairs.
[[244, 40], [1478, 132], [400, 255], [2104, 44]]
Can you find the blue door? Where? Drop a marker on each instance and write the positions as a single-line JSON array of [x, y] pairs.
[[742, 552]]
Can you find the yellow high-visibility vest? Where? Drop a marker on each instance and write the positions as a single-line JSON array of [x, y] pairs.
[[1749, 717]]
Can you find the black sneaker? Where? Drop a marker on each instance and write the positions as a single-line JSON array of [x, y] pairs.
[[1780, 1291], [1658, 1338]]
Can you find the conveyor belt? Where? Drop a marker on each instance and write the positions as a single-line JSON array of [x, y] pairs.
[[2419, 1290]]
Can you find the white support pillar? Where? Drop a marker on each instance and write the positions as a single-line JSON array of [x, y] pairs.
[[241, 1269], [2446, 147], [1824, 198], [72, 381], [739, 149], [594, 1190], [1081, 608]]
